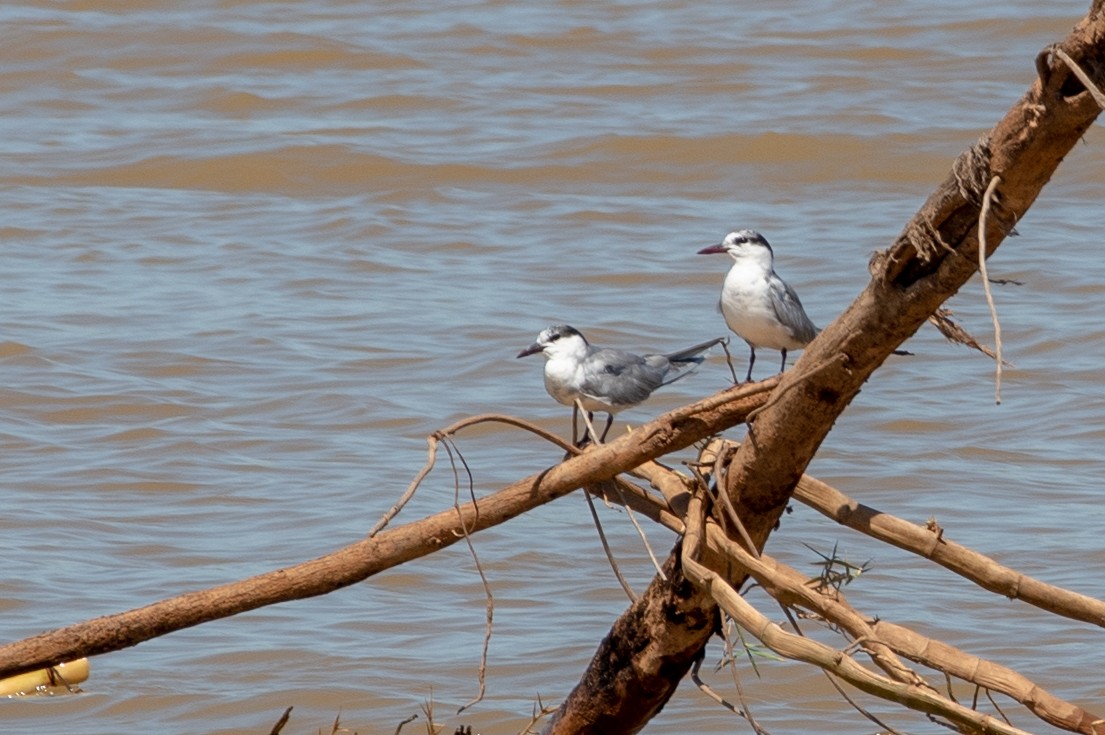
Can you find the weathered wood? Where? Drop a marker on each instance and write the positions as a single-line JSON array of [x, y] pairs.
[[933, 257], [354, 563], [913, 694], [884, 641], [931, 543]]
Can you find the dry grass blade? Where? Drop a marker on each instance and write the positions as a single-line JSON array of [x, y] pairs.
[[428, 710]]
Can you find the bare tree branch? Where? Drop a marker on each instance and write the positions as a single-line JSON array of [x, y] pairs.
[[921, 698], [932, 543], [673, 431], [882, 640], [935, 255]]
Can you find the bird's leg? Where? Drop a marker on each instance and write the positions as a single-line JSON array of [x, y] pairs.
[[751, 362], [784, 365], [609, 422], [575, 415]]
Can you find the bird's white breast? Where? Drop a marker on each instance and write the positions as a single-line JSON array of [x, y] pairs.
[[564, 381], [747, 308]]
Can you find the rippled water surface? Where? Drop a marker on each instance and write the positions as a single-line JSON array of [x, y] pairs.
[[253, 253]]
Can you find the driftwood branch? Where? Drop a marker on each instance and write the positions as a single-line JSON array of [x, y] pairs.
[[663, 633], [919, 697], [882, 640], [931, 542], [640, 663], [673, 431]]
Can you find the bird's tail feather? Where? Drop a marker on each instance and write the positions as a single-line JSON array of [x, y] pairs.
[[694, 354], [688, 360]]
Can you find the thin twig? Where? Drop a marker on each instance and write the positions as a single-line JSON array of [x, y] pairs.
[[856, 705], [729, 360], [450, 448], [708, 690], [586, 422], [990, 696], [431, 459], [431, 455], [606, 547], [986, 200], [640, 532], [727, 503], [1082, 76], [728, 640], [540, 711], [490, 600]]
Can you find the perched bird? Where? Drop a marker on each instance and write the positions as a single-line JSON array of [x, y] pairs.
[[605, 379], [757, 305]]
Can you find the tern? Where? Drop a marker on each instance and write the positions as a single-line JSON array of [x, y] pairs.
[[760, 308], [605, 379]]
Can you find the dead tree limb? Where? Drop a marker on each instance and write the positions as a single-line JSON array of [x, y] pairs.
[[884, 641], [929, 542], [650, 648], [915, 696], [675, 430], [932, 543]]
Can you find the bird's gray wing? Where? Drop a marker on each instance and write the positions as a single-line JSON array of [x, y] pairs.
[[622, 378], [788, 309]]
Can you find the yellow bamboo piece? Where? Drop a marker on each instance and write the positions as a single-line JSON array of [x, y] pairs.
[[61, 675]]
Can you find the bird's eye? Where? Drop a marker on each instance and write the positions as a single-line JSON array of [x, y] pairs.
[[555, 336]]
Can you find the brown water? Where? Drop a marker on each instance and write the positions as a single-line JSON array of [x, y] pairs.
[[255, 252]]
